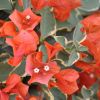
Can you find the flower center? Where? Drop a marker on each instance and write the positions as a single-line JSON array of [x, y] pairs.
[[36, 70], [46, 68], [28, 17]]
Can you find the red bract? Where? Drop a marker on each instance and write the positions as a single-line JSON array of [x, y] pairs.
[[86, 79], [52, 50], [39, 4], [92, 23], [23, 44], [66, 81], [14, 85], [25, 20], [3, 96], [39, 71], [68, 78], [91, 26], [89, 68], [8, 29], [62, 8]]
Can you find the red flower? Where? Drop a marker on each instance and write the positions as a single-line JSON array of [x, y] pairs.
[[91, 23], [23, 44], [14, 85], [3, 96], [39, 4], [87, 67], [39, 71], [52, 50], [62, 8], [25, 20], [86, 79], [8, 29], [66, 81]]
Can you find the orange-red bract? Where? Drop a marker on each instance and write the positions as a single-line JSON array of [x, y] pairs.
[[25, 20], [23, 44], [39, 71], [14, 85], [52, 50], [62, 8], [66, 81], [86, 79], [39, 4], [3, 95], [8, 29]]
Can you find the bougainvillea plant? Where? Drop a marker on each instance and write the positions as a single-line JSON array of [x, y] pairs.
[[49, 50]]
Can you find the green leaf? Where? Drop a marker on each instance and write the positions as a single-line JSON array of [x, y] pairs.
[[70, 46], [74, 56], [80, 47], [5, 69], [47, 25], [86, 93], [78, 35], [62, 40], [26, 3], [43, 49], [5, 5], [17, 6], [76, 98], [20, 69], [63, 57], [94, 88], [58, 95], [70, 23], [90, 5], [12, 97]]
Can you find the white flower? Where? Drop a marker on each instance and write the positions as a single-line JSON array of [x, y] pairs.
[[28, 17], [46, 68], [36, 70]]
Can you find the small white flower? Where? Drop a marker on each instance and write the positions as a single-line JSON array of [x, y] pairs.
[[28, 17], [36, 70], [46, 68]]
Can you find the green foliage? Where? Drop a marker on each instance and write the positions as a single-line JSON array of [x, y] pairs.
[[5, 5], [47, 25]]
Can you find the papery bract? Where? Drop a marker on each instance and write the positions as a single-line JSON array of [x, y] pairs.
[[25, 20], [91, 24], [86, 79], [14, 85], [8, 29], [39, 71], [39, 4], [23, 44], [66, 81], [52, 50], [3, 95], [62, 8]]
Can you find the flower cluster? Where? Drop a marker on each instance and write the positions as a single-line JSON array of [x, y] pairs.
[[50, 50], [19, 33]]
